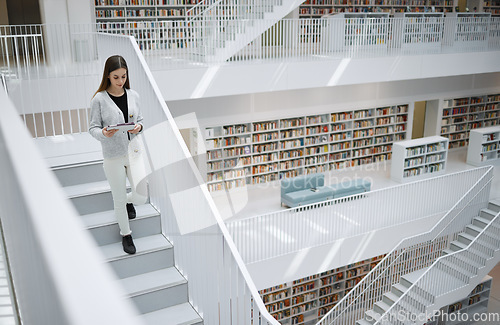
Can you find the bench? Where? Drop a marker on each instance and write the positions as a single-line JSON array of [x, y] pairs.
[[308, 189]]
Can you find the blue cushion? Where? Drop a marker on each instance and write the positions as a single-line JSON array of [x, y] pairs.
[[302, 182]]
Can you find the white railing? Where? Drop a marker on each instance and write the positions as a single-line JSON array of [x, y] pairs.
[[447, 274], [59, 275], [422, 250], [346, 217], [50, 72], [231, 9], [220, 287]]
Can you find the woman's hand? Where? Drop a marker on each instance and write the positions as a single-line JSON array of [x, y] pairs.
[[137, 129], [109, 133]]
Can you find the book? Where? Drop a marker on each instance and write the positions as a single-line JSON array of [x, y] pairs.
[[122, 126]]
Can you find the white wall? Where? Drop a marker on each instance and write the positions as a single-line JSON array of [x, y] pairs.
[[215, 111], [233, 79], [67, 11], [346, 251]]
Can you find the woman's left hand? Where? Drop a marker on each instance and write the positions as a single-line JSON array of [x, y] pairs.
[[137, 129]]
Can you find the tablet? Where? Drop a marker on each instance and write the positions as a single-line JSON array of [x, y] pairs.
[[122, 126]]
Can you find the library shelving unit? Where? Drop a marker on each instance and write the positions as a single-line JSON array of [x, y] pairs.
[[320, 8], [492, 6], [264, 151], [141, 10], [153, 23], [460, 115], [461, 32], [475, 303], [306, 300], [360, 30], [484, 146], [422, 30], [419, 158]]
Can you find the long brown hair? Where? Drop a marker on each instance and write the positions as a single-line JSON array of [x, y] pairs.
[[113, 63]]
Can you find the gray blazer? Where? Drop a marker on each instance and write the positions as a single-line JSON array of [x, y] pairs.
[[104, 112]]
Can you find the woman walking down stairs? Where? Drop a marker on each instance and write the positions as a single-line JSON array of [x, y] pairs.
[[149, 277], [463, 265]]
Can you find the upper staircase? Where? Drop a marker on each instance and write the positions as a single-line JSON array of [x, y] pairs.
[[470, 257], [149, 277], [227, 26]]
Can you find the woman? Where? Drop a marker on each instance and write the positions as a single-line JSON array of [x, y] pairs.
[[113, 103]]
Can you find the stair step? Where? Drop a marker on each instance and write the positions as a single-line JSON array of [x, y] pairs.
[[85, 189], [180, 314], [153, 253], [398, 289], [390, 298], [74, 174], [104, 227], [363, 322], [381, 307], [408, 279], [371, 316], [473, 230], [487, 214], [457, 245], [494, 205], [466, 238], [157, 290], [98, 219], [480, 222]]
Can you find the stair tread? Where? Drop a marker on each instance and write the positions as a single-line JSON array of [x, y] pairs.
[[146, 282], [86, 189], [89, 188], [179, 314], [391, 296], [489, 211], [468, 236], [474, 227], [108, 217], [483, 220], [142, 244], [413, 276], [459, 244], [363, 321]]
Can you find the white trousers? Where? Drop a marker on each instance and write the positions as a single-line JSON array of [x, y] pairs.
[[117, 170]]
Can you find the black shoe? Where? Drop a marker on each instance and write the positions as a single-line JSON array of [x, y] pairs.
[[131, 211], [128, 244]]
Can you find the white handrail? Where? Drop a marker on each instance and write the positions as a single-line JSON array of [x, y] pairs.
[[434, 239]]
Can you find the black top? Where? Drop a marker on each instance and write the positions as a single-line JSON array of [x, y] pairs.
[[121, 102]]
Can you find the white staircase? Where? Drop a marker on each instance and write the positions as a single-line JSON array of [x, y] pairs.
[[149, 277], [469, 258], [227, 26]]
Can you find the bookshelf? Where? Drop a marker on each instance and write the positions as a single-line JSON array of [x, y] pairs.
[[361, 30], [141, 10], [264, 151], [492, 6], [320, 8], [420, 28], [461, 33], [419, 158], [306, 300], [484, 146], [475, 303], [460, 115]]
